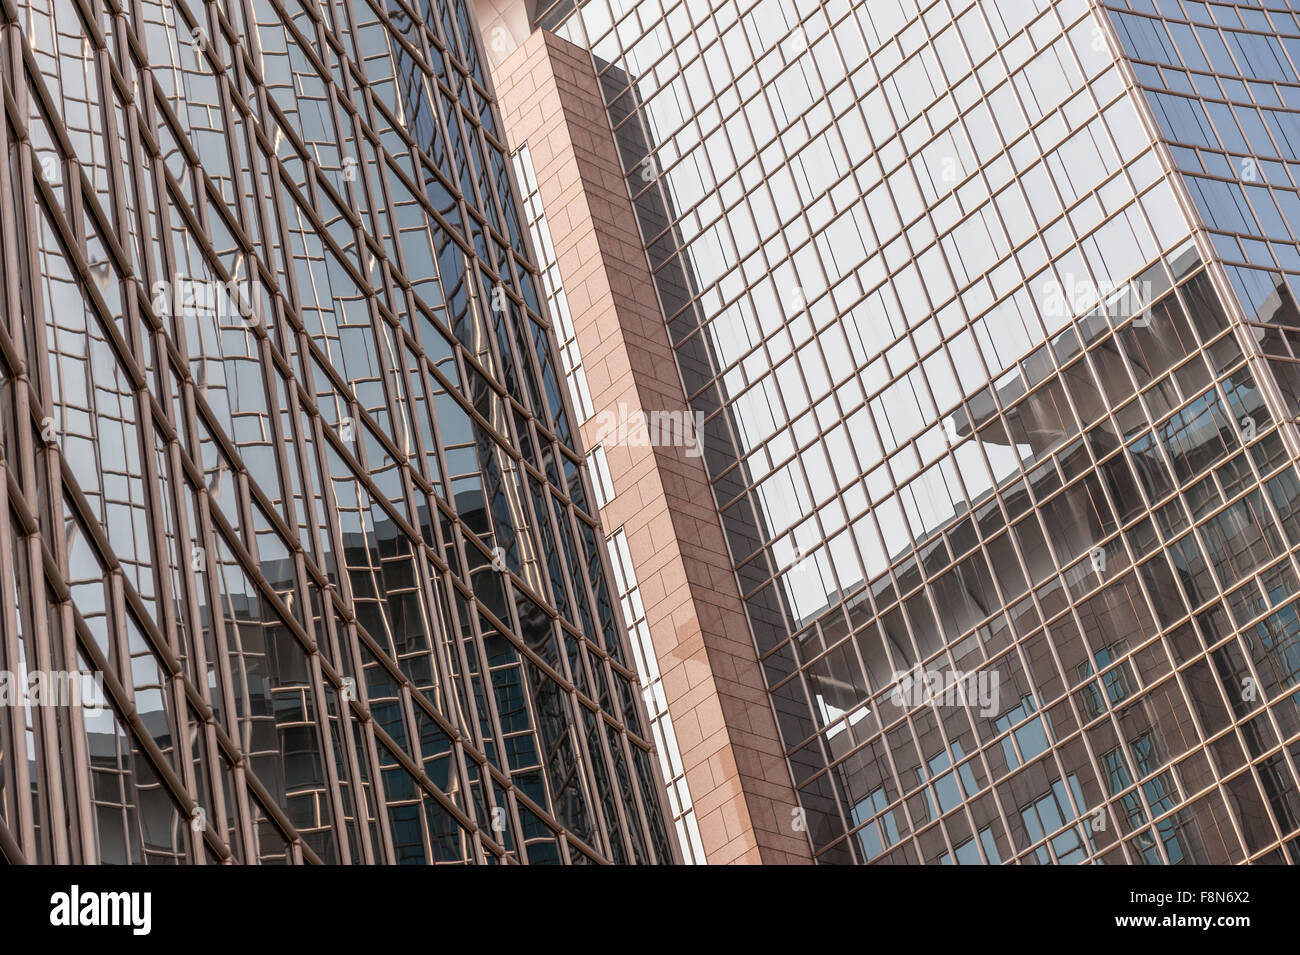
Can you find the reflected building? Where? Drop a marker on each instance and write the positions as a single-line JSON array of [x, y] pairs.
[[987, 311], [286, 459]]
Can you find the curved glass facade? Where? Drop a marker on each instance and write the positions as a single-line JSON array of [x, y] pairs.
[[998, 406]]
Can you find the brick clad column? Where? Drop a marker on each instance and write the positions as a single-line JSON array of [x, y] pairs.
[[738, 777]]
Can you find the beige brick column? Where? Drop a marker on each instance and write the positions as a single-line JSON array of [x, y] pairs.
[[719, 706]]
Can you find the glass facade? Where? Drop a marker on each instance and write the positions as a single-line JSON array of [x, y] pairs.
[[989, 308], [286, 460]]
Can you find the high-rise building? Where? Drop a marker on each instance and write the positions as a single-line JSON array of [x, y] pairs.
[[976, 540], [298, 560]]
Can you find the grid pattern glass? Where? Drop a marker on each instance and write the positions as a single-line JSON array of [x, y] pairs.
[[287, 459], [557, 302]]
